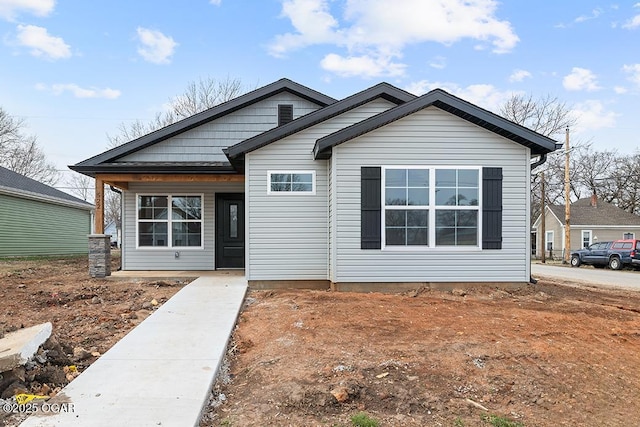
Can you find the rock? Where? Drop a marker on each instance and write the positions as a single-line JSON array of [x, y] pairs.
[[154, 302], [458, 292], [80, 354], [147, 305], [14, 388], [52, 375], [95, 300], [341, 394], [19, 346], [10, 377]]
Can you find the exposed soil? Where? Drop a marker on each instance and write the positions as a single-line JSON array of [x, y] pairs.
[[547, 355], [87, 314]]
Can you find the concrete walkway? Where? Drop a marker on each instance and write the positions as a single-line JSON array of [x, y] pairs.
[[161, 373]]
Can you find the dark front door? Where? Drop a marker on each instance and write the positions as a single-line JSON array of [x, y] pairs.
[[230, 230]]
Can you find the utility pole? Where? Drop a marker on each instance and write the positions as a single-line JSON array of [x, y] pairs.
[[567, 203], [543, 226]]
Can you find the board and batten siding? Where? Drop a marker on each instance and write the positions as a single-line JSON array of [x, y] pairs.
[[30, 227], [164, 258], [288, 234], [205, 142], [431, 137]]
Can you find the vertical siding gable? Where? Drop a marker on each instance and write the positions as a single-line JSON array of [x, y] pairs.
[[205, 143]]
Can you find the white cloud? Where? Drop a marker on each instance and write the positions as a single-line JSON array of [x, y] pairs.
[[42, 43], [155, 46], [313, 23], [580, 79], [10, 8], [484, 95], [375, 29], [634, 73], [519, 75], [365, 66], [80, 92], [594, 14], [620, 90], [215, 2], [591, 115], [439, 62], [632, 23]]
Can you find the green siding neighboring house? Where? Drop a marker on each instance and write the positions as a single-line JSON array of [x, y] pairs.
[[36, 219]]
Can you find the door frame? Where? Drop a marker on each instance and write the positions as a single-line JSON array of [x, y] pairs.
[[218, 253]]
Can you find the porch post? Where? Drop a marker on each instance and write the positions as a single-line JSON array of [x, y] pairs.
[[99, 243], [99, 217]]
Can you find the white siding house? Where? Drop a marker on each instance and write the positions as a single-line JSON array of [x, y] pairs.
[[300, 189]]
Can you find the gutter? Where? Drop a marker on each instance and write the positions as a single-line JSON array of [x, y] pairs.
[[539, 162]]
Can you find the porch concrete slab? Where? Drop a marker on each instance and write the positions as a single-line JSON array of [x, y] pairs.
[[161, 373], [18, 346], [170, 274]]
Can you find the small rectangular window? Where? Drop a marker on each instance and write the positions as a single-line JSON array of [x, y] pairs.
[[629, 236], [298, 182], [285, 114]]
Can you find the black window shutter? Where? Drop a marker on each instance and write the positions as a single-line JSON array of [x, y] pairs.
[[491, 208], [285, 114], [370, 208]]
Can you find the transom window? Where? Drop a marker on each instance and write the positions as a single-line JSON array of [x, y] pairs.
[[169, 221], [431, 206], [290, 182]]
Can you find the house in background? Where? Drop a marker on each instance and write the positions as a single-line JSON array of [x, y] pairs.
[[592, 220], [300, 189], [36, 219]]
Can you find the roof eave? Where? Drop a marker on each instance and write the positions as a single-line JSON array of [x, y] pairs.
[[382, 90], [539, 144]]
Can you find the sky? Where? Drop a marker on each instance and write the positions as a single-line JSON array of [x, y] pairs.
[[76, 70]]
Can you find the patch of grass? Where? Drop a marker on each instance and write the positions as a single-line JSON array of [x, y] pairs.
[[458, 422], [498, 421], [361, 419]]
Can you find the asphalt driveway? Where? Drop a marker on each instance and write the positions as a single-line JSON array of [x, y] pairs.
[[627, 279]]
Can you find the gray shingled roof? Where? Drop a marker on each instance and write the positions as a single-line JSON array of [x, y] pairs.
[[583, 213], [13, 182]]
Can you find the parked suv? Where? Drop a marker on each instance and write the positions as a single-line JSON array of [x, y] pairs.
[[616, 254]]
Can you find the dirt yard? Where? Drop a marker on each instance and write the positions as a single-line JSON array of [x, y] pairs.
[[88, 315], [548, 355]]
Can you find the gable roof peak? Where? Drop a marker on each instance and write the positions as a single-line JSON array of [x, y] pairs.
[[256, 95]]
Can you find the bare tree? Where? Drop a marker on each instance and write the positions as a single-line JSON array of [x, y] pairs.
[[82, 186], [21, 153], [198, 96], [548, 116]]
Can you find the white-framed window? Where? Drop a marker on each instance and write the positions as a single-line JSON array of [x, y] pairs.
[[291, 182], [629, 236], [169, 221], [431, 207], [548, 241], [586, 238]]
